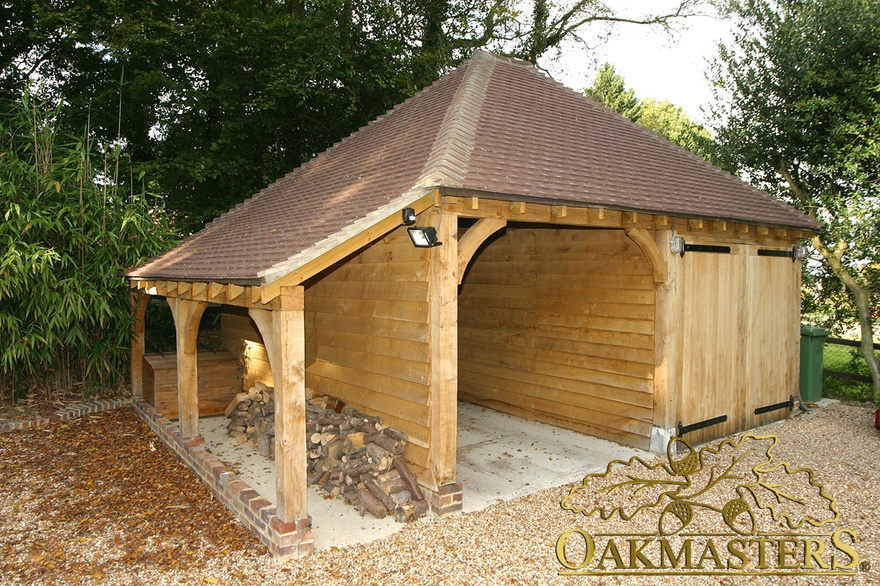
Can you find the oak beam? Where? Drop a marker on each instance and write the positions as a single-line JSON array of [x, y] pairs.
[[187, 315]]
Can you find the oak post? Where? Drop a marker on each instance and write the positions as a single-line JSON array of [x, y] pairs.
[[667, 342], [443, 336], [187, 315], [139, 301], [283, 332]]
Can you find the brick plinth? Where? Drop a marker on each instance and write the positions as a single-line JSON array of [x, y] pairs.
[[446, 499], [283, 539], [66, 414]]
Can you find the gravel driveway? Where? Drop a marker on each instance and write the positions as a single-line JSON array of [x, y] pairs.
[[100, 500]]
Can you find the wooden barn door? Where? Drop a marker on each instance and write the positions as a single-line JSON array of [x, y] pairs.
[[712, 343], [771, 336]]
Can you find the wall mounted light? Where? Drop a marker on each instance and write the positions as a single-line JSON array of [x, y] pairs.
[[409, 216], [423, 237], [799, 252], [676, 244]]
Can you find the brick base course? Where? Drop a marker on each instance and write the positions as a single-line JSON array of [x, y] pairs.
[[292, 539], [66, 414], [446, 499]]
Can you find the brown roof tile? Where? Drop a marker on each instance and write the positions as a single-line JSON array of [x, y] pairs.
[[494, 125]]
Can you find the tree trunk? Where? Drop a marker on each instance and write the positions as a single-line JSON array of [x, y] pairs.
[[833, 258]]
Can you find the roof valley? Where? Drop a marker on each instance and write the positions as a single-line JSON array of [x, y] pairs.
[[447, 164]]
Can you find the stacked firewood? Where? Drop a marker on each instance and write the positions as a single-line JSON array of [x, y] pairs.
[[351, 455], [252, 418]]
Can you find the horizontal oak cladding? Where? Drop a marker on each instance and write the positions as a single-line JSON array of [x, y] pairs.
[[621, 374], [559, 323], [566, 305], [394, 329], [555, 317], [367, 336], [367, 360], [629, 361], [410, 311], [389, 347], [407, 416], [592, 264], [388, 272], [582, 392], [388, 290], [557, 287], [619, 429]]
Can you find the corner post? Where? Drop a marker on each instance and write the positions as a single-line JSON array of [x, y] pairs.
[[139, 301], [667, 343], [443, 335]]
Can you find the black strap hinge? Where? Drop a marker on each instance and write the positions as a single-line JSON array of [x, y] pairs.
[[683, 429]]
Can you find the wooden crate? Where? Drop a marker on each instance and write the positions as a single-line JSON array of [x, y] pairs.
[[219, 381]]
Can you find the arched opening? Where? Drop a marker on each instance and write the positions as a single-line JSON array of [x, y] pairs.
[[556, 325]]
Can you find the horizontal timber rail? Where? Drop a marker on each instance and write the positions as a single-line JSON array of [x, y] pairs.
[[850, 376]]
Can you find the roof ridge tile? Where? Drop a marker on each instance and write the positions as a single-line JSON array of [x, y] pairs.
[[448, 162]]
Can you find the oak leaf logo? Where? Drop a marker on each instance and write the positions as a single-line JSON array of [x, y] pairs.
[[741, 473]]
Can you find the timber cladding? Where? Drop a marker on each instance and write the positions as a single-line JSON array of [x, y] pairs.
[[558, 325], [367, 337]]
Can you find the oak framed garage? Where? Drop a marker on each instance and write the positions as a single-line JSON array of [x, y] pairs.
[[590, 274]]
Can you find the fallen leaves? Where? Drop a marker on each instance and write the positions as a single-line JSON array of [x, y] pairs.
[[97, 495]]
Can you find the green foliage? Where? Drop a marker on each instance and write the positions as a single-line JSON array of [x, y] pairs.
[[663, 118], [804, 124], [670, 122], [219, 98], [66, 233], [609, 89]]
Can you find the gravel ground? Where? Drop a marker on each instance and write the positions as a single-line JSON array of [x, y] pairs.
[[101, 501]]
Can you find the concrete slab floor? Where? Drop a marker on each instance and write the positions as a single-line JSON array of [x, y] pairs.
[[500, 457]]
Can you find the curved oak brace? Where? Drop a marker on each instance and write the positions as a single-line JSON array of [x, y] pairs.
[[473, 238], [649, 248]]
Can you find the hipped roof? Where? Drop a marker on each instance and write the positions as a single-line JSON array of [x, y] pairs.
[[494, 126]]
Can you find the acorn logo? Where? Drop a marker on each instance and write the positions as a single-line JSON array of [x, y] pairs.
[[734, 488]]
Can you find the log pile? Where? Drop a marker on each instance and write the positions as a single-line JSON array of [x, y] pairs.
[[351, 455]]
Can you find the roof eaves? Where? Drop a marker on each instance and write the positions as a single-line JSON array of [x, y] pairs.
[[299, 260], [809, 224]]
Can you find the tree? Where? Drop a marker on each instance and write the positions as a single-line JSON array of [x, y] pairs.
[[663, 118], [609, 89], [803, 123], [670, 122], [67, 231], [215, 99], [554, 22]]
